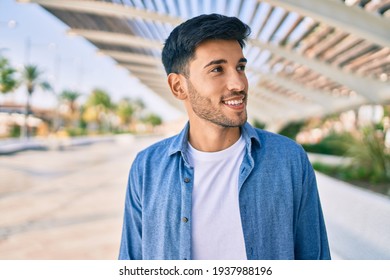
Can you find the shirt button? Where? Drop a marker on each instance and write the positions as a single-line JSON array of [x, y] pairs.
[[186, 180], [184, 219]]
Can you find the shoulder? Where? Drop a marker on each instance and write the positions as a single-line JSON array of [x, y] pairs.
[[282, 153], [273, 141], [157, 151], [270, 138], [277, 148]]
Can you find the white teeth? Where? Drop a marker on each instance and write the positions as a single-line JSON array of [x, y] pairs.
[[234, 102]]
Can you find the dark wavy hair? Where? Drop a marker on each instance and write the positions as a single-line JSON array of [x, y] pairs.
[[180, 46]]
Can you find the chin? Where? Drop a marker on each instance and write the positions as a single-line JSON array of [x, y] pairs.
[[233, 123]]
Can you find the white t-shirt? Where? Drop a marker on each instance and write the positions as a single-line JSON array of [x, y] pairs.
[[216, 222]]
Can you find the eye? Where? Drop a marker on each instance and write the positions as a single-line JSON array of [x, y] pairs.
[[241, 68], [217, 69]]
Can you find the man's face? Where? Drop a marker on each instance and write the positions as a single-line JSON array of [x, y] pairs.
[[217, 85]]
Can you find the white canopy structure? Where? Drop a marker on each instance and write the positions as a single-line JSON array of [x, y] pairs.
[[305, 57]]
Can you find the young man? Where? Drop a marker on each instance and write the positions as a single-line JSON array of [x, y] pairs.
[[221, 189]]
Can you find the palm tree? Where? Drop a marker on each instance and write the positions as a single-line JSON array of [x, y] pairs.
[[125, 111], [8, 81], [70, 96], [97, 108], [32, 79]]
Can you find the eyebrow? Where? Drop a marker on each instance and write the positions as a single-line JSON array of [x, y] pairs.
[[221, 61]]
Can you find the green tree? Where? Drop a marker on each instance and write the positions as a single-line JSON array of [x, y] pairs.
[[258, 124], [99, 97], [153, 119], [32, 78], [97, 108], [8, 80], [70, 97], [292, 129], [369, 153], [125, 111]]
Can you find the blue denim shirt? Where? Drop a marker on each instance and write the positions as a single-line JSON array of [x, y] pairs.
[[279, 204]]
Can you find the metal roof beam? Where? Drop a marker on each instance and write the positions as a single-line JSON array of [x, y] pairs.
[[312, 95], [156, 85], [259, 115], [273, 115], [143, 69], [275, 111], [131, 57], [285, 101], [354, 20], [119, 39], [157, 78], [104, 9], [263, 111], [330, 104], [372, 90], [162, 90], [146, 77]]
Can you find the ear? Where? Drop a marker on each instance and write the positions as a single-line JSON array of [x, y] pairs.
[[177, 85]]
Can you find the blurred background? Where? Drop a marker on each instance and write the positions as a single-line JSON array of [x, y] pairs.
[[82, 90]]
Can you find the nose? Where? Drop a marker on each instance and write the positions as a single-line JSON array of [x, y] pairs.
[[237, 81]]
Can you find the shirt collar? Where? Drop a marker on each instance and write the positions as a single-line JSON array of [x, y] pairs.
[[179, 144], [249, 133]]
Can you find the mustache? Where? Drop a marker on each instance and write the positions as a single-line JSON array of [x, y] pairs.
[[232, 94]]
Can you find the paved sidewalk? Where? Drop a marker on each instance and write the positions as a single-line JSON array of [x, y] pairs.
[[357, 220], [65, 204], [14, 145]]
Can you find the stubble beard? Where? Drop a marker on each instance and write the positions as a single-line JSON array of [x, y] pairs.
[[204, 109]]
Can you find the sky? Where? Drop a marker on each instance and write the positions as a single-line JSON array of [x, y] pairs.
[[68, 62]]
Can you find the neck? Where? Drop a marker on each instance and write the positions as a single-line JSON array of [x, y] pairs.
[[212, 137]]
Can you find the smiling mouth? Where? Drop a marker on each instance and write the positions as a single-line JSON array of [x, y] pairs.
[[234, 102]]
